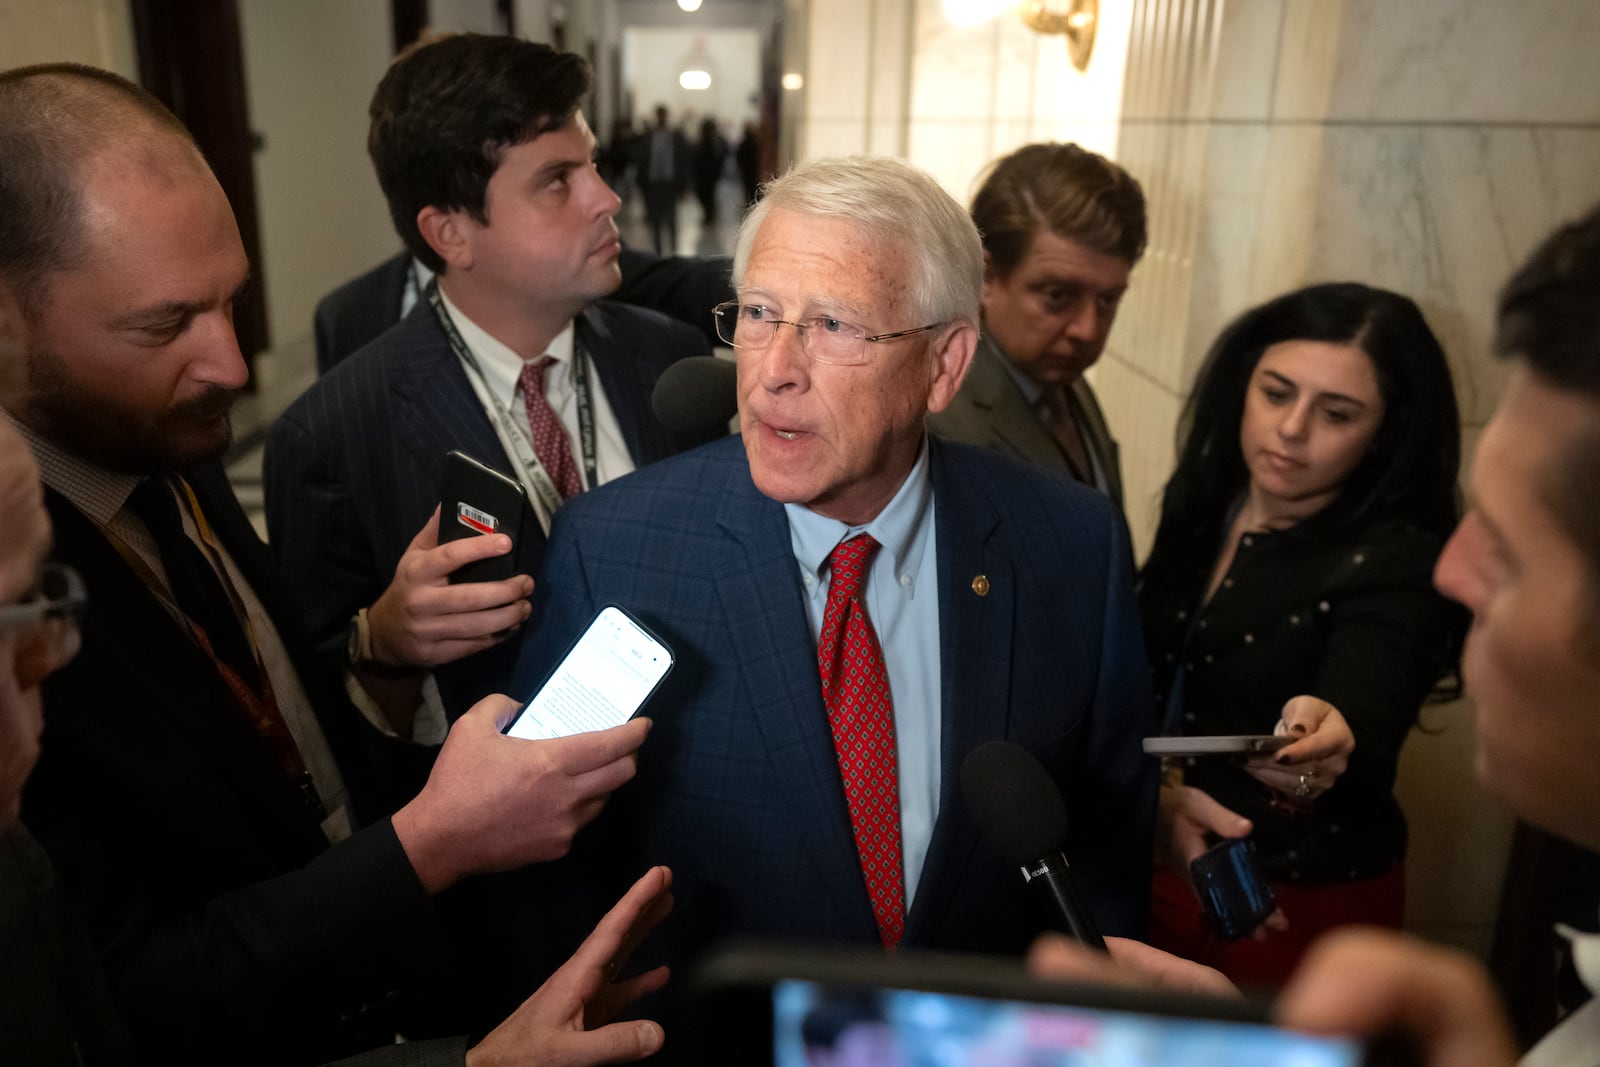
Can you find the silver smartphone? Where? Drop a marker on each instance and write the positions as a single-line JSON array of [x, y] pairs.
[[603, 680]]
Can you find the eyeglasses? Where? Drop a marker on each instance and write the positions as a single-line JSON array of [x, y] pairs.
[[58, 594], [824, 338]]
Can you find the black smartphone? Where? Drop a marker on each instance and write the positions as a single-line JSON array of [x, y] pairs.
[[1234, 895], [602, 681], [791, 1007], [476, 499]]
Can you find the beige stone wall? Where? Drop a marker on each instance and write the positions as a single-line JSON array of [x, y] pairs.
[[1421, 147], [97, 32], [1424, 147]]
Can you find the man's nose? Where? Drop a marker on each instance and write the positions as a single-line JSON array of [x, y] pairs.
[[221, 362], [784, 362]]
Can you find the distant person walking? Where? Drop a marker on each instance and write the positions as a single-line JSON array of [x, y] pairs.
[[664, 176], [710, 156]]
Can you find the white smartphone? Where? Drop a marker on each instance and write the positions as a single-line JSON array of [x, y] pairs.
[[1217, 745], [602, 681]]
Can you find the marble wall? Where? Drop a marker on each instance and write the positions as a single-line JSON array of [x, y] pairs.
[[1425, 147]]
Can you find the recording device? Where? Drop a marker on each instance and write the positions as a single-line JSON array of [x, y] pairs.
[[787, 1006], [696, 395], [605, 678], [476, 499], [1217, 745], [1234, 896], [1020, 813]]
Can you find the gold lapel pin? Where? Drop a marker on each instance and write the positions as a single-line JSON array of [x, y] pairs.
[[980, 585]]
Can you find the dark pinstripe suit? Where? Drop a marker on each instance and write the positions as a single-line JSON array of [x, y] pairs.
[[738, 786], [353, 467]]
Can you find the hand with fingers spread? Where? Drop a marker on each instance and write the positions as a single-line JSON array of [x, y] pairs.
[[1309, 766], [423, 621], [566, 1023], [494, 802]]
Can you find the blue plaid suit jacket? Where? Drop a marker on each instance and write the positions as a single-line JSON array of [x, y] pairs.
[[738, 788]]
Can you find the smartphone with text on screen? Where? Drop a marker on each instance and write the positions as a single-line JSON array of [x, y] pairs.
[[601, 682]]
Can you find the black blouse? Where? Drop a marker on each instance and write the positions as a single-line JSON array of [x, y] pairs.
[[1354, 622]]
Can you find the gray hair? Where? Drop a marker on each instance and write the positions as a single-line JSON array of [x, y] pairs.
[[895, 204]]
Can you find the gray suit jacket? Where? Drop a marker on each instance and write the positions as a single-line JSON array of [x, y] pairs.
[[991, 412]]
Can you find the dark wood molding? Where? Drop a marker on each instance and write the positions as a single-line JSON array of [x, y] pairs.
[[191, 57]]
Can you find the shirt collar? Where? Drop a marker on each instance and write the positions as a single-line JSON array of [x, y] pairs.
[[901, 527], [89, 487], [1032, 391], [500, 366], [1585, 955]]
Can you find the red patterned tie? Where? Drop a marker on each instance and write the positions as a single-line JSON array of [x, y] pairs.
[[549, 436], [855, 689]]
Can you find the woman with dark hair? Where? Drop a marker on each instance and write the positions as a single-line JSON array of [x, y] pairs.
[[1289, 590]]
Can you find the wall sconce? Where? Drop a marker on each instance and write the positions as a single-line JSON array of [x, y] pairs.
[[1076, 19]]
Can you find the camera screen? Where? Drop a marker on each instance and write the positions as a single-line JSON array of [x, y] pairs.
[[822, 1026]]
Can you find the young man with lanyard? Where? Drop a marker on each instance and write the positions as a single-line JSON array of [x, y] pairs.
[[488, 167]]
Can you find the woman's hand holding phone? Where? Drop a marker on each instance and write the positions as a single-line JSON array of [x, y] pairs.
[[1307, 767]]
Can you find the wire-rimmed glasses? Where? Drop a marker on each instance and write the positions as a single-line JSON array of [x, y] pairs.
[[822, 337]]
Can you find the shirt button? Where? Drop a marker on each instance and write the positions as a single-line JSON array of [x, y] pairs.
[[1247, 542], [1249, 639], [1361, 557], [1182, 615], [1227, 583], [1323, 606], [1208, 657], [1188, 716], [1294, 620], [905, 580]]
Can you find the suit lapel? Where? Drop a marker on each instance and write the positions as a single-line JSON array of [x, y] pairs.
[[1016, 425], [760, 594], [627, 381], [128, 626], [436, 412], [975, 640]]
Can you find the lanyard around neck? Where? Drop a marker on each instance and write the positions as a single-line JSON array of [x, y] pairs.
[[535, 477]]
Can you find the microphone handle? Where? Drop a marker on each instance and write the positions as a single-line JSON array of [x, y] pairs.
[[1054, 879]]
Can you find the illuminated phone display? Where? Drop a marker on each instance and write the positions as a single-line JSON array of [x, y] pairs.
[[606, 677]]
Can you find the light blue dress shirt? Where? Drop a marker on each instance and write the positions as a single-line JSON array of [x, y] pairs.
[[902, 596]]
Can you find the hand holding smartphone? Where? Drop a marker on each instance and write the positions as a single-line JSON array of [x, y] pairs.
[[603, 680], [475, 499]]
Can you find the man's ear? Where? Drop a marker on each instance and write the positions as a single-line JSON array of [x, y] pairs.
[[952, 355], [448, 233]]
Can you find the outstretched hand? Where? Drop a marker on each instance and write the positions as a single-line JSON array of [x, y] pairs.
[[566, 1023]]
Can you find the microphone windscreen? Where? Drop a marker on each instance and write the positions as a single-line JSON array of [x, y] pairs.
[[696, 395], [1014, 801]]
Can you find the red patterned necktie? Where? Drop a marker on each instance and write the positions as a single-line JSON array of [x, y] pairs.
[[855, 689], [549, 436]]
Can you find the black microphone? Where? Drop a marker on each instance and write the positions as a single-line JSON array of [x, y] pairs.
[[696, 395], [1020, 813]]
